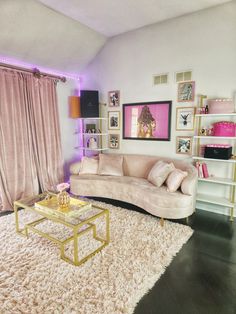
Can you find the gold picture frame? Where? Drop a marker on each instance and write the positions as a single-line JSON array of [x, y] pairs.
[[113, 120], [185, 118], [184, 145], [114, 141], [186, 91], [114, 98]]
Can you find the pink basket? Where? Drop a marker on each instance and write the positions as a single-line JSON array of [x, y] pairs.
[[224, 128], [221, 105]]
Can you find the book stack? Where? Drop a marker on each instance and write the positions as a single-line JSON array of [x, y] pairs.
[[202, 170], [51, 207]]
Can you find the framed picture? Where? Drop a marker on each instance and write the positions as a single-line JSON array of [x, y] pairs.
[[184, 145], [147, 121], [90, 128], [185, 118], [186, 91], [114, 141], [113, 120], [114, 98]]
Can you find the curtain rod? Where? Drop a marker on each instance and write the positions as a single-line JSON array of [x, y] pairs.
[[35, 71]]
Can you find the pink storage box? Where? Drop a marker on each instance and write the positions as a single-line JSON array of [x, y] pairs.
[[220, 105], [218, 145], [224, 128]]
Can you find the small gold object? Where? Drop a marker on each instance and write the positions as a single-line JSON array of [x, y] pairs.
[[63, 199]]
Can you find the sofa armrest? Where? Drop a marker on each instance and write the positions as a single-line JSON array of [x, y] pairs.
[[75, 167], [189, 184]]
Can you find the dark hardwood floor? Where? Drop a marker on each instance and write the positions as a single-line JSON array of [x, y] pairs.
[[202, 277]]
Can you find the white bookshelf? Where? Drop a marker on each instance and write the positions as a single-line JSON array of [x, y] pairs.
[[218, 180], [215, 137], [230, 179], [100, 137], [212, 115], [216, 160], [215, 200]]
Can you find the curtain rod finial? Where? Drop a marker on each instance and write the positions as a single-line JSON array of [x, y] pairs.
[[36, 73]]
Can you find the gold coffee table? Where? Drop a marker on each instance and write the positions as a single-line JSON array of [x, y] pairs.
[[79, 225]]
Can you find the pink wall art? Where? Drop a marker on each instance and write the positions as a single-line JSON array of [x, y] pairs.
[[147, 121]]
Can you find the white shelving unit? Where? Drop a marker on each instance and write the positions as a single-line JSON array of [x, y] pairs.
[[216, 137], [100, 138], [230, 182], [212, 159]]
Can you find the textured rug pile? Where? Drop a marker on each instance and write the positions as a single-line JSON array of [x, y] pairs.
[[33, 279]]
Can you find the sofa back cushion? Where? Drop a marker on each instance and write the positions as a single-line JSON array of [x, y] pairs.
[[89, 165], [138, 165], [110, 165]]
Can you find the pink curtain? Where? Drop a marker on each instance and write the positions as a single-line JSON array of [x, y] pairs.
[[30, 145]]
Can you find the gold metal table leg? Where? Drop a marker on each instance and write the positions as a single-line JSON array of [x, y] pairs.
[[162, 221], [75, 232]]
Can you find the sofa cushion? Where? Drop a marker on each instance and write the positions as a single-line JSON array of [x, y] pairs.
[[189, 183], [75, 167], [160, 172], [175, 179], [89, 166], [110, 165], [157, 200], [138, 165]]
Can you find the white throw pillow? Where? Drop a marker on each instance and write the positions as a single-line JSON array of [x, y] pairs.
[[175, 179], [110, 165], [160, 172], [89, 166], [75, 167]]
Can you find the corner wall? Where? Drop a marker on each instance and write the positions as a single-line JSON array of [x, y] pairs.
[[67, 125], [204, 42]]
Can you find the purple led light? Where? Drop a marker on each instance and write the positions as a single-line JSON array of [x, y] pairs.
[[15, 62]]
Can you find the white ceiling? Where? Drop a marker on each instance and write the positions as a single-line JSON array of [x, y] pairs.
[[113, 17], [34, 34], [37, 33]]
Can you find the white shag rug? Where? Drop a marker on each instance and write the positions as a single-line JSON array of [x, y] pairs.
[[33, 278]]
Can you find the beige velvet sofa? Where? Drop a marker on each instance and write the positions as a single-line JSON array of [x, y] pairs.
[[133, 187]]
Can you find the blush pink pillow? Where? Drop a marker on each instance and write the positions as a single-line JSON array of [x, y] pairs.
[[175, 179], [89, 166], [160, 172], [110, 165]]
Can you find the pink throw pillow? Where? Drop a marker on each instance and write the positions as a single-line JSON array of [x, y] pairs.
[[110, 165], [89, 166], [160, 172], [175, 179]]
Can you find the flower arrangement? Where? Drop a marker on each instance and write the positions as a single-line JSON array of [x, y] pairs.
[[63, 186]]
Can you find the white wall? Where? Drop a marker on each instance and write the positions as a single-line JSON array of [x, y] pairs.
[[204, 42], [68, 125]]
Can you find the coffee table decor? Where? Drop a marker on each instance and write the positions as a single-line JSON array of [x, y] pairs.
[[74, 208], [79, 219]]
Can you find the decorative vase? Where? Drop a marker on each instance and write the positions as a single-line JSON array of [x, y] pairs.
[[63, 199]]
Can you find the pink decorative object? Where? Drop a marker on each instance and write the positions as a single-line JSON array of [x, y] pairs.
[[218, 145], [63, 186], [224, 128], [220, 105], [205, 170]]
